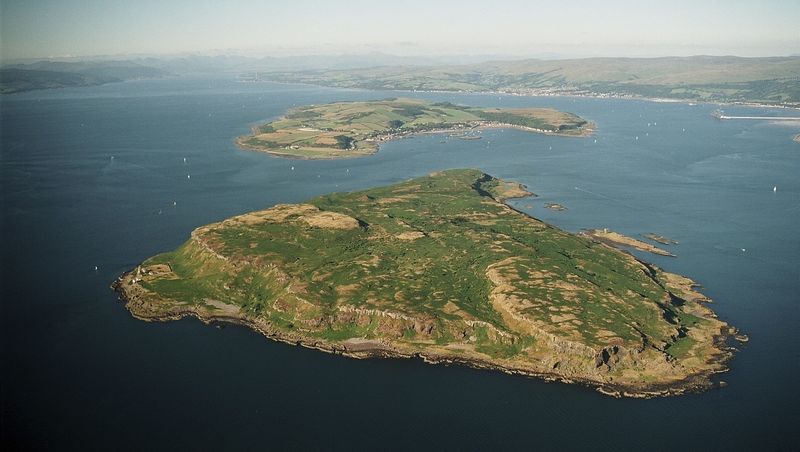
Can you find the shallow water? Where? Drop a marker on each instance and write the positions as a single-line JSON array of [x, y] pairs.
[[96, 177]]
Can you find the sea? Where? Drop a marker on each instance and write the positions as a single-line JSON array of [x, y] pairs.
[[95, 180]]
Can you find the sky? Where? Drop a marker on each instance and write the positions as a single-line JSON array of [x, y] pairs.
[[60, 28]]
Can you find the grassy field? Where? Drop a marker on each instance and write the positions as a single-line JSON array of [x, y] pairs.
[[352, 129], [438, 265], [773, 80]]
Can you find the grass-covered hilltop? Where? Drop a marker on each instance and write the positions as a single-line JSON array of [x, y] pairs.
[[440, 268], [352, 129]]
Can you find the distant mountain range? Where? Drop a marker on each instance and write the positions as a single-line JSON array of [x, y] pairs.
[[771, 80]]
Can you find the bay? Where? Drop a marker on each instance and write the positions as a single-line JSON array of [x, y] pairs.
[[96, 177]]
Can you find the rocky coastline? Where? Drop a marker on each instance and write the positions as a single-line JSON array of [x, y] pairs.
[[692, 383]]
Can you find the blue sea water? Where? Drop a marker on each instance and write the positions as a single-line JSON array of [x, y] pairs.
[[96, 177]]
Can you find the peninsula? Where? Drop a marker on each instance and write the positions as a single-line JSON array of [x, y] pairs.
[[440, 268], [354, 129], [58, 74], [616, 239]]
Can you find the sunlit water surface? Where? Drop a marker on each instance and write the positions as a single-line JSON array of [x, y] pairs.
[[96, 177]]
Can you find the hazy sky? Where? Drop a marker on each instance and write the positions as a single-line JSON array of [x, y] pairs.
[[42, 28]]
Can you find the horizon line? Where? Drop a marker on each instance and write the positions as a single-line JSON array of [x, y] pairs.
[[544, 56]]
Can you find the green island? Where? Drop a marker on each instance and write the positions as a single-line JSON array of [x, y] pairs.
[[354, 129], [441, 268], [555, 207]]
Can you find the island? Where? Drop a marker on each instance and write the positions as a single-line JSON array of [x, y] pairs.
[[440, 268], [554, 206], [796, 138], [660, 238], [355, 129]]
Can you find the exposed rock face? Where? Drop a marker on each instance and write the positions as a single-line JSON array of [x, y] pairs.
[[608, 357]]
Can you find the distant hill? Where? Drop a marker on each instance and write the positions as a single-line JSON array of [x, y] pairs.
[[56, 74], [774, 80]]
